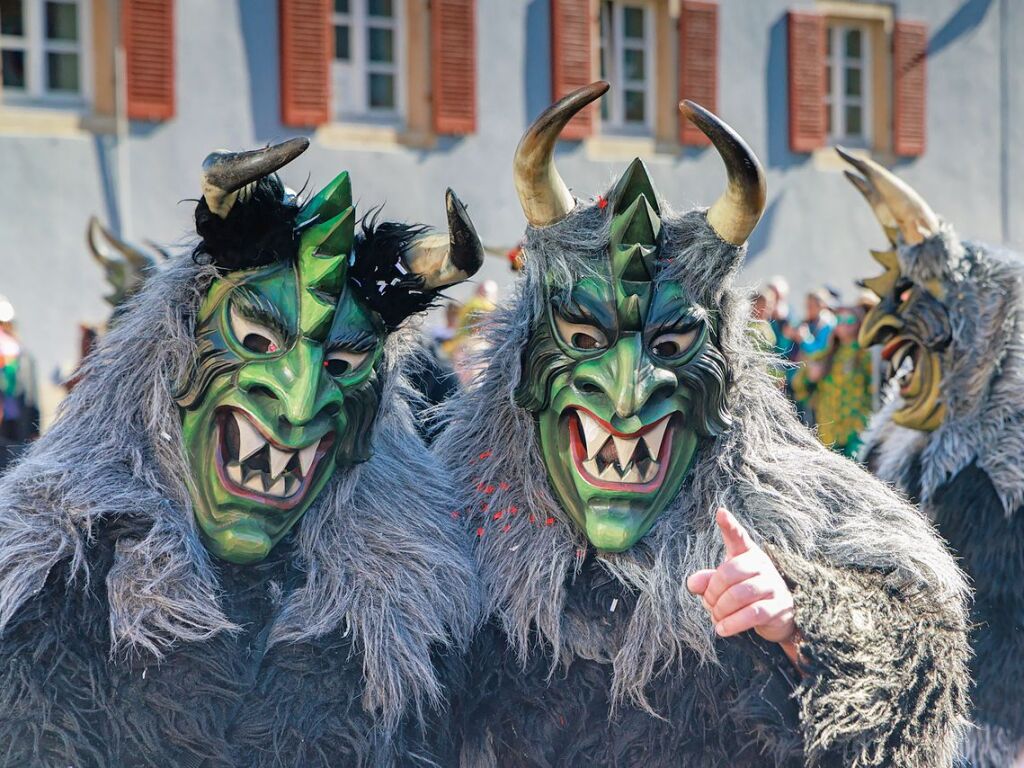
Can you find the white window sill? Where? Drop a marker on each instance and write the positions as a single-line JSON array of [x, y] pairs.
[[613, 147], [827, 159], [47, 121], [367, 136]]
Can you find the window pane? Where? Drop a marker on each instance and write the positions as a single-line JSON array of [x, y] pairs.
[[13, 63], [853, 121], [853, 43], [634, 101], [381, 45], [382, 91], [341, 6], [380, 8], [61, 21], [828, 41], [828, 80], [633, 22], [12, 19], [341, 40], [62, 72], [853, 83], [829, 129], [633, 65]]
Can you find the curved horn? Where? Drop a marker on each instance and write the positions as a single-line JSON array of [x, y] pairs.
[[735, 214], [442, 260], [907, 210], [226, 174], [878, 207], [106, 247], [543, 194]]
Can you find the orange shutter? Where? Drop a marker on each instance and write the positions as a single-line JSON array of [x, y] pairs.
[[147, 28], [909, 49], [453, 65], [698, 63], [305, 32], [571, 58], [808, 123]]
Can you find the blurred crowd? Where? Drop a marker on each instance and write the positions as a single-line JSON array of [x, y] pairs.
[[831, 379]]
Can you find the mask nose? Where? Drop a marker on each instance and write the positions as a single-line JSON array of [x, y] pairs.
[[298, 382], [625, 376]]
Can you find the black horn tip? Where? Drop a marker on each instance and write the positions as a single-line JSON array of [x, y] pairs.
[[467, 252], [230, 171]]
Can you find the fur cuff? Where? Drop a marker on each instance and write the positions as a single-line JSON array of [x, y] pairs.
[[885, 668]]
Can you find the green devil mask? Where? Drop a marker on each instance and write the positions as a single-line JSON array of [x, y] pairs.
[[289, 337], [623, 370]]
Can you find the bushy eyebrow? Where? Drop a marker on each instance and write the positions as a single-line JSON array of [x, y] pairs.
[[573, 309], [676, 315], [355, 340], [254, 306]]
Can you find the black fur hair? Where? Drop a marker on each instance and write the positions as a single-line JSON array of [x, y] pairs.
[[378, 275], [255, 234]]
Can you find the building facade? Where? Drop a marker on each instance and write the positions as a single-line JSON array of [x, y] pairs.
[[108, 108]]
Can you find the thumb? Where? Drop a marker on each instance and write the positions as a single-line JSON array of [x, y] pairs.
[[737, 540], [698, 581]]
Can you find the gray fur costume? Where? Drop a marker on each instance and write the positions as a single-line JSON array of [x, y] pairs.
[[606, 659], [968, 474], [125, 644]]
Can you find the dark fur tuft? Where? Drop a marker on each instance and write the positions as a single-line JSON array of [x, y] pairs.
[[255, 234], [378, 276]]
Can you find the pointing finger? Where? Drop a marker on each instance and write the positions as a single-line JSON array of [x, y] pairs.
[[737, 540], [740, 568]]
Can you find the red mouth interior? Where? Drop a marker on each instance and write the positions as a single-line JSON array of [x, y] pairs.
[[577, 445]]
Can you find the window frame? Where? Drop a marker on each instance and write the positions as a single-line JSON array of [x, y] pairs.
[[836, 99], [613, 108], [360, 67], [36, 47]]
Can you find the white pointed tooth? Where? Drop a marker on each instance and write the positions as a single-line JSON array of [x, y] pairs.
[[306, 456], [625, 447], [249, 438], [278, 460], [632, 475], [254, 482], [610, 473], [277, 489], [235, 472], [654, 437], [591, 467], [595, 435]]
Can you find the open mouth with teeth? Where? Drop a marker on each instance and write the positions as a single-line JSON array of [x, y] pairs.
[[254, 466], [903, 356], [605, 458]]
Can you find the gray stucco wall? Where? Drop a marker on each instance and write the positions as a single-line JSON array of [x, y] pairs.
[[815, 229]]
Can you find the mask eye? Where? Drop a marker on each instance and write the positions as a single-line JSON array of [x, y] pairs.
[[254, 336], [342, 361], [581, 335], [673, 344]]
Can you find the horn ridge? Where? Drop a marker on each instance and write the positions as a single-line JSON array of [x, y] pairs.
[[226, 173], [735, 214], [545, 197]]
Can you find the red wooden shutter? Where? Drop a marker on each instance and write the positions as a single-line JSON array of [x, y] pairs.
[[808, 121], [453, 65], [147, 28], [698, 63], [909, 49], [305, 32], [571, 58]]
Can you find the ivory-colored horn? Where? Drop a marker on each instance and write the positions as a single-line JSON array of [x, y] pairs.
[[230, 175], [543, 194], [735, 214], [906, 209], [108, 249], [445, 259]]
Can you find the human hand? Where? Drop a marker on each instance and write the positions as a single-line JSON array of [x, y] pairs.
[[746, 591]]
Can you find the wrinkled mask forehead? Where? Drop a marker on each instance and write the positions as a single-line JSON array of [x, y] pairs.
[[285, 390]]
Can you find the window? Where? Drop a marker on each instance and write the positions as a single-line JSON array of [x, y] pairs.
[[43, 53], [847, 84], [627, 43], [367, 66]]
